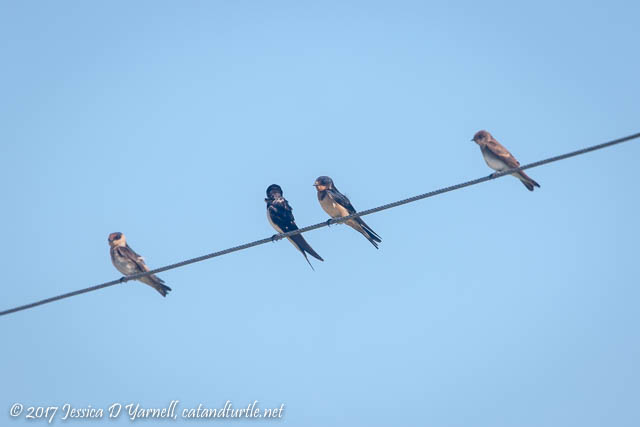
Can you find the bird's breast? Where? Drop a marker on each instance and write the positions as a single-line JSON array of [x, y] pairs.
[[493, 161], [273, 224], [334, 209]]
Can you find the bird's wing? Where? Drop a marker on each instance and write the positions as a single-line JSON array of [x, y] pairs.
[[127, 252], [282, 215], [342, 200], [502, 153]]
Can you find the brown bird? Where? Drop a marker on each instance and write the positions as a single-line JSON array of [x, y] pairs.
[[128, 262], [499, 158], [338, 205]]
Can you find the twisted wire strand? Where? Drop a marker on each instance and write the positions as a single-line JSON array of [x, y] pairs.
[[326, 223]]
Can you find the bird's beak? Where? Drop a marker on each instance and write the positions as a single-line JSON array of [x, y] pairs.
[[472, 140]]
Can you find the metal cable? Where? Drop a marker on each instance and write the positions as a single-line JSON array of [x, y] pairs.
[[324, 224]]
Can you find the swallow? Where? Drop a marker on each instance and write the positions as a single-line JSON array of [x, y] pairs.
[[338, 205], [499, 158], [128, 262], [280, 216]]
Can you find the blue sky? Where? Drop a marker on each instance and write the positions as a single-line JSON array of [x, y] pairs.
[[488, 306]]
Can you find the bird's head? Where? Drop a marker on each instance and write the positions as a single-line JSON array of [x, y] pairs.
[[117, 239], [274, 191], [482, 137], [323, 183]]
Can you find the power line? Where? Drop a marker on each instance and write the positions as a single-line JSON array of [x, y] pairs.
[[324, 224]]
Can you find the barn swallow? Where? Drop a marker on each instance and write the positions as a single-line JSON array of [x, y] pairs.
[[280, 216], [499, 158], [338, 205], [128, 262]]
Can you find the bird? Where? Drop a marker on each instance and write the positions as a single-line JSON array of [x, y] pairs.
[[338, 205], [280, 216], [499, 158], [128, 262]]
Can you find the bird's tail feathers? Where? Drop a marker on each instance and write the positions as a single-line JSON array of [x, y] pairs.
[[367, 232], [164, 290], [308, 262], [304, 247], [156, 283], [527, 181]]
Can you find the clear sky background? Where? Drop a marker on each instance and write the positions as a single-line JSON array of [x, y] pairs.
[[489, 306]]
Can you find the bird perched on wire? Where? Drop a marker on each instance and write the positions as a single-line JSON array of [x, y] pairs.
[[499, 158], [128, 262], [280, 216], [338, 205]]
